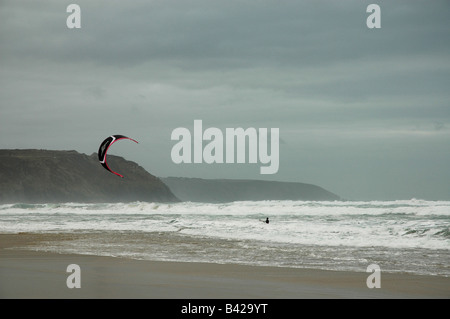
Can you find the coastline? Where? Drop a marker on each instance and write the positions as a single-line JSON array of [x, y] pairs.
[[25, 273]]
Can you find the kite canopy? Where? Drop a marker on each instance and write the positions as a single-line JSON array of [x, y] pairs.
[[104, 149]]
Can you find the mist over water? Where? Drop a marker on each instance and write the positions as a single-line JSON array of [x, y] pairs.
[[401, 236]]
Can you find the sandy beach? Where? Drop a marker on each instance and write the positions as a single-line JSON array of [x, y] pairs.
[[25, 273]]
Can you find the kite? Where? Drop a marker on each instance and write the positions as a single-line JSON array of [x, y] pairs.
[[106, 144]]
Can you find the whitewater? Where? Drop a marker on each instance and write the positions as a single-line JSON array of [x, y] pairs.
[[410, 236]]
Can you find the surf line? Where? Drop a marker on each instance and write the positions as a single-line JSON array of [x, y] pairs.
[[235, 142]]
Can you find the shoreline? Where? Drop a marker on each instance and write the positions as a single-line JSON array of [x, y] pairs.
[[25, 273]]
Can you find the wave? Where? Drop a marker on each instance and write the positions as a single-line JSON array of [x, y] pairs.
[[248, 207], [412, 223]]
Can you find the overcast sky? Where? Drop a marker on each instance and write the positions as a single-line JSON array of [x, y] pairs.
[[364, 113]]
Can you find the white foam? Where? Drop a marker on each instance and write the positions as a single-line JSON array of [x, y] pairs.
[[408, 223]]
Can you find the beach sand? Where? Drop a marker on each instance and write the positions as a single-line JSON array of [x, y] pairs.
[[25, 273]]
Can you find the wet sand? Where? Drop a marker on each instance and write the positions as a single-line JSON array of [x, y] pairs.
[[25, 273]]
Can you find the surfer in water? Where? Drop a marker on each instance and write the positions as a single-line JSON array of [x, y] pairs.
[[267, 220]]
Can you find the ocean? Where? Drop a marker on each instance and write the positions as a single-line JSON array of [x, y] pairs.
[[406, 236]]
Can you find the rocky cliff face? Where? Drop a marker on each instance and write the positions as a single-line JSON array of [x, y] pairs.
[[42, 176]]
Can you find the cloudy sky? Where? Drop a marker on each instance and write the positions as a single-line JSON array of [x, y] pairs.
[[364, 113]]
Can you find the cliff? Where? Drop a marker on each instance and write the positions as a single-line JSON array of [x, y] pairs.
[[226, 190], [46, 176], [42, 176]]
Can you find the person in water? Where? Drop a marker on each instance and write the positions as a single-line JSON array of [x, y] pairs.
[[267, 220]]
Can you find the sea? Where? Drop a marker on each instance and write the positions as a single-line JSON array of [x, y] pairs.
[[403, 236]]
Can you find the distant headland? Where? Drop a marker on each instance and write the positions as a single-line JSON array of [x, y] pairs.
[[229, 190]]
